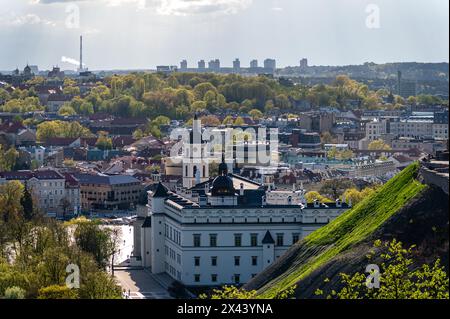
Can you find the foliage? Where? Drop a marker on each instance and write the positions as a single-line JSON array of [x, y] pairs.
[[8, 158], [94, 240], [22, 105], [379, 145], [51, 129], [104, 142], [342, 155], [398, 278], [230, 292], [335, 187], [26, 201], [356, 196], [313, 195], [57, 292], [42, 249], [14, 293], [66, 110], [99, 285]]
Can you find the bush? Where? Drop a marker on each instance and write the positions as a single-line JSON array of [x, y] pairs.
[[15, 293], [57, 292]]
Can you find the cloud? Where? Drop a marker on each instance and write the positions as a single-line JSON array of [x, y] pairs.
[[26, 19], [190, 7], [172, 7]]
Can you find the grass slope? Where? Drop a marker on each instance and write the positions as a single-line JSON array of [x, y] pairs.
[[352, 227]]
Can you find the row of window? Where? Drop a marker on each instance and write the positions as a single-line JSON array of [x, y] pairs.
[[172, 233], [215, 278], [51, 184], [172, 271], [238, 240], [172, 254], [237, 261]]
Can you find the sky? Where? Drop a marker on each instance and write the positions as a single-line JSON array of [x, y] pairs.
[[141, 34]]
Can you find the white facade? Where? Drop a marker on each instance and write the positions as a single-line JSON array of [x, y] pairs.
[[440, 131], [412, 128], [375, 129], [224, 243]]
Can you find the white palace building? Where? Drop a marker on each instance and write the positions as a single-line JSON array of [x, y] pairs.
[[224, 230]]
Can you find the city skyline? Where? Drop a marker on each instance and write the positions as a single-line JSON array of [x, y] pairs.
[[139, 34]]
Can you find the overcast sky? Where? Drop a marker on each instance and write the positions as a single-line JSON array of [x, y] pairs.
[[131, 34]]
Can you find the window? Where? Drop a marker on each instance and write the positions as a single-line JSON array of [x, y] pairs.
[[237, 278], [197, 278], [280, 240], [213, 261], [197, 240], [196, 261], [238, 240], [295, 238], [214, 278], [254, 260], [237, 260], [254, 240], [213, 240]]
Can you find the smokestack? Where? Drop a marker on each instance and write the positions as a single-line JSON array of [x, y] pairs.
[[81, 53]]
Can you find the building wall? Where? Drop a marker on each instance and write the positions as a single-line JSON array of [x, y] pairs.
[[179, 252]]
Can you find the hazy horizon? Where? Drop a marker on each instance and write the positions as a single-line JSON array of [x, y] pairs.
[[140, 34]]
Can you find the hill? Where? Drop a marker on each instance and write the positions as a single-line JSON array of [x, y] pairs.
[[403, 208]]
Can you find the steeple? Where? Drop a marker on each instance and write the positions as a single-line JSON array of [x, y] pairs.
[[223, 167]]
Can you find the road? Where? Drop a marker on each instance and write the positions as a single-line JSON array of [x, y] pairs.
[[141, 284]]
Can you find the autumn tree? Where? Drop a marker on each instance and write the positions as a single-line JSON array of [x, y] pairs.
[[379, 145]]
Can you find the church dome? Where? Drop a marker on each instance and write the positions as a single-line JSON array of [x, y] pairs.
[[223, 169], [223, 186]]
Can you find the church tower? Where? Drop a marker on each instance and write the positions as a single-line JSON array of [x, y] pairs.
[[195, 161]]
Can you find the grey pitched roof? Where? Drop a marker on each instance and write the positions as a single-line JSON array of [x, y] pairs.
[[161, 191], [268, 239], [147, 222]]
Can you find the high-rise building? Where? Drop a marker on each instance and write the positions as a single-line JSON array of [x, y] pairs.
[[183, 65], [214, 64], [236, 64], [254, 64], [201, 64], [405, 88], [304, 63], [270, 64]]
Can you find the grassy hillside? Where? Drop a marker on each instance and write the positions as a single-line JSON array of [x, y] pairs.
[[350, 228]]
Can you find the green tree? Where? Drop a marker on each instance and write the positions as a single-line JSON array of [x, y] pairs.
[[27, 204], [256, 114], [379, 145], [104, 142], [15, 293], [398, 277], [335, 187], [99, 285], [313, 195], [239, 121], [57, 292], [66, 110]]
